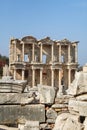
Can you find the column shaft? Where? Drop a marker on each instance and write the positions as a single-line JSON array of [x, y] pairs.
[[23, 52], [28, 75], [59, 53], [52, 77], [59, 78], [69, 53], [33, 52], [76, 53], [69, 77], [41, 76], [14, 74], [33, 77], [15, 52], [52, 52], [23, 74], [41, 53]]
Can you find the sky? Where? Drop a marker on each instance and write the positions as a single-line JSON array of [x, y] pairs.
[[57, 19]]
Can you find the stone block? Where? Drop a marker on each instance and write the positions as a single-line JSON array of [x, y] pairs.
[[54, 106], [31, 125], [65, 121], [85, 124], [82, 97], [62, 99], [78, 107], [15, 98], [51, 115], [60, 121], [4, 127], [79, 84], [14, 114], [71, 124], [46, 94]]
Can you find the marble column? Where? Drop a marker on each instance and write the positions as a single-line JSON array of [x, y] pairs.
[[69, 53], [59, 83], [14, 74], [76, 53], [23, 51], [60, 53], [60, 91], [33, 52], [52, 52], [52, 77], [33, 77], [15, 52], [41, 53], [23, 72], [69, 77], [28, 75], [41, 76]]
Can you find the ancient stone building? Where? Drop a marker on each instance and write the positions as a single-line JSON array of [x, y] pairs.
[[43, 61]]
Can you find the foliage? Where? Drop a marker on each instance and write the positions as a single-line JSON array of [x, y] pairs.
[[3, 60]]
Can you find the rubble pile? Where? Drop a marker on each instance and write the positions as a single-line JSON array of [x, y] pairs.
[[42, 108], [76, 116]]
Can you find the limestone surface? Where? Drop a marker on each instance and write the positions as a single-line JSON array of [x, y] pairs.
[[79, 84], [14, 114], [46, 94], [78, 107]]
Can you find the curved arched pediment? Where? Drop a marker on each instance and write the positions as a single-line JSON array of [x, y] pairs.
[[29, 39]]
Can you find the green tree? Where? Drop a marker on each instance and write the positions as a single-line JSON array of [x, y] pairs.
[[3, 60]]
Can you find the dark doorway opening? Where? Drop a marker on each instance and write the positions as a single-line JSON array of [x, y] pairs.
[[82, 118]]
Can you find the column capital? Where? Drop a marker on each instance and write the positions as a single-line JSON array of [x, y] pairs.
[[52, 68], [22, 42], [40, 43], [33, 68], [14, 41], [69, 68], [41, 68]]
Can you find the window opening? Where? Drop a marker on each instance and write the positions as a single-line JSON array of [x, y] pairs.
[[44, 58]]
